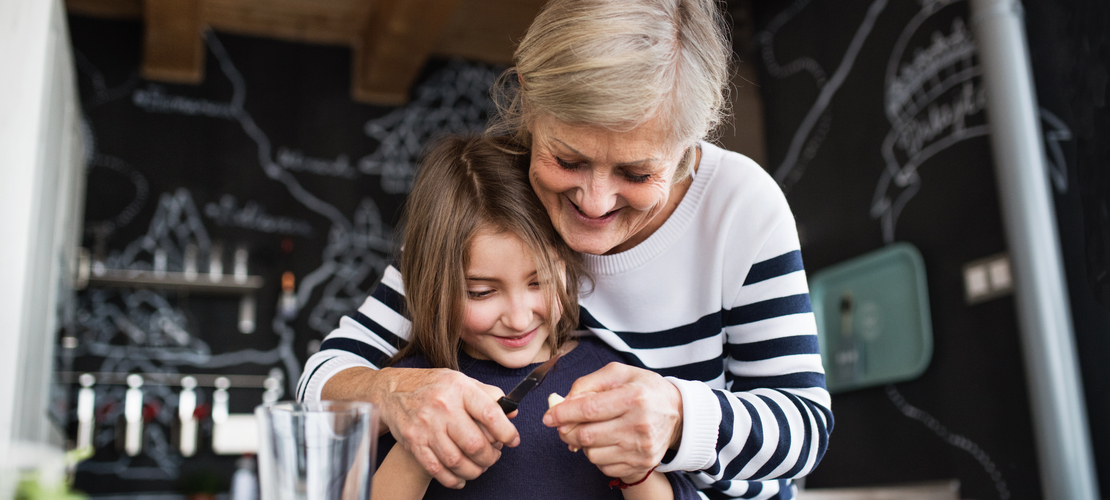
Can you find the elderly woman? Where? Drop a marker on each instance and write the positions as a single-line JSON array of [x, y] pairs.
[[695, 259]]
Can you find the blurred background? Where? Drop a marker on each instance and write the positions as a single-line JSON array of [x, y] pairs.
[[221, 180]]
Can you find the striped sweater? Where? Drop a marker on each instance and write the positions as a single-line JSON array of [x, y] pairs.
[[716, 300]]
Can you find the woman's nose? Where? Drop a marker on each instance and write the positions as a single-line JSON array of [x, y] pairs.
[[598, 197]]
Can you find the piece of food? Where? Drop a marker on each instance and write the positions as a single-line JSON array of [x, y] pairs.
[[553, 400]]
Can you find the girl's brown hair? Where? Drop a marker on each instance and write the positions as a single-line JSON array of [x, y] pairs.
[[467, 184]]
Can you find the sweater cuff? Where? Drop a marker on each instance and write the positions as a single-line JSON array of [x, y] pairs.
[[701, 419]]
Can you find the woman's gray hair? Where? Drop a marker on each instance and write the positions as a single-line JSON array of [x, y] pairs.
[[618, 64]]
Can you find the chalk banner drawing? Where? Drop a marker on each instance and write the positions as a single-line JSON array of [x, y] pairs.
[[148, 331], [932, 93]]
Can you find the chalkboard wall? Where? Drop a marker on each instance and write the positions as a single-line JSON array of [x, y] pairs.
[[877, 131], [269, 154]]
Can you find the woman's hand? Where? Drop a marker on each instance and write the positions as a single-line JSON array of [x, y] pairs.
[[624, 418], [450, 422]]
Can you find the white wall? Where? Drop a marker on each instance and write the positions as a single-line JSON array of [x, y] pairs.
[[41, 198]]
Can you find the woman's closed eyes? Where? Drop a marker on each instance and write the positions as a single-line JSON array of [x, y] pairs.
[[629, 176]]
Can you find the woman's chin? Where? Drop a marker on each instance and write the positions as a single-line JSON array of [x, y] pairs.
[[588, 243]]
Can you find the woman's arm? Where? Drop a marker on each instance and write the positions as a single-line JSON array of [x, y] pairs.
[[770, 421], [449, 421], [399, 477]]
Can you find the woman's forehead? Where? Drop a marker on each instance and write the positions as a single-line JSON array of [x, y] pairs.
[[646, 142]]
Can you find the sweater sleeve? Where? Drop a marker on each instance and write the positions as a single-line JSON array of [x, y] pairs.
[[772, 422], [368, 338]]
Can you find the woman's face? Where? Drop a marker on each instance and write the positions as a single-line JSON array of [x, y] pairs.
[[506, 309], [605, 191]]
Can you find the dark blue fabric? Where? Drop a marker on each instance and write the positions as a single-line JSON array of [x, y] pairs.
[[770, 308], [355, 347], [773, 268], [541, 467], [705, 327]]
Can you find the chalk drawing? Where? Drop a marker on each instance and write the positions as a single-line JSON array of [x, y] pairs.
[[1055, 131], [933, 99], [106, 227], [253, 216], [802, 137], [296, 161], [956, 440], [175, 225], [929, 100], [102, 93], [359, 248], [766, 38], [144, 331], [454, 100], [155, 100]]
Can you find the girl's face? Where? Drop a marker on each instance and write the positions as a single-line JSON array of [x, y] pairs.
[[506, 310]]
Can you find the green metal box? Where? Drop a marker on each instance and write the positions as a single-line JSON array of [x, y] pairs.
[[873, 318]]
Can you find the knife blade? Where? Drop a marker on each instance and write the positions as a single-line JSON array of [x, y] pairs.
[[510, 401]]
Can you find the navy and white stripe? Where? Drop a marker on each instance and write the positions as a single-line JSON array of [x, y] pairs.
[[716, 300]]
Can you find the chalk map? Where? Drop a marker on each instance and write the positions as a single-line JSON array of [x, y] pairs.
[[295, 194]]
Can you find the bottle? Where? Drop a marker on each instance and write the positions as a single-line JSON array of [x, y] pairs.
[[244, 483]]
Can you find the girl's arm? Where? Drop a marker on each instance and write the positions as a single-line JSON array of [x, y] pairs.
[[399, 477], [654, 487]]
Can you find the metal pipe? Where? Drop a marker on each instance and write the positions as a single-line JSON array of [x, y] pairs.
[[1044, 314]]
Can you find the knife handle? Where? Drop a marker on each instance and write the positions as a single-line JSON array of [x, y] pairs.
[[507, 404]]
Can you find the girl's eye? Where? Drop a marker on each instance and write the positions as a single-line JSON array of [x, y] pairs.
[[478, 294], [566, 165]]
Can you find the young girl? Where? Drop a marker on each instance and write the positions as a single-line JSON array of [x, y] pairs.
[[491, 290]]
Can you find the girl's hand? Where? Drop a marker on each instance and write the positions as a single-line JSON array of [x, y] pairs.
[[624, 418]]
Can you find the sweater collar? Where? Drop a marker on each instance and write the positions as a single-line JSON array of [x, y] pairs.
[[671, 230]]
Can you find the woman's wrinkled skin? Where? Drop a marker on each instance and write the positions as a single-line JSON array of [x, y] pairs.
[[605, 191]]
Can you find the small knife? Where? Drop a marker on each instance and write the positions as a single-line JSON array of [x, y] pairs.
[[510, 401]]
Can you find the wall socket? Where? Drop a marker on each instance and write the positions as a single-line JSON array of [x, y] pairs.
[[988, 278]]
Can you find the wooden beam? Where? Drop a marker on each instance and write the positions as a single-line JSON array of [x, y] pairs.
[[173, 47], [487, 30], [397, 39], [328, 22], [110, 9]]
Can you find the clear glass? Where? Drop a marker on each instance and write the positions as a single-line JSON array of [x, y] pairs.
[[316, 451]]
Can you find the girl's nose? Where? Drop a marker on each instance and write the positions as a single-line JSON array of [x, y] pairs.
[[519, 314]]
